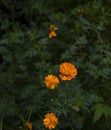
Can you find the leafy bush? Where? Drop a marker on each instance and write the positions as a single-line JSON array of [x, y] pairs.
[[30, 50]]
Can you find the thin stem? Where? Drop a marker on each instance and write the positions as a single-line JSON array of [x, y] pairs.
[[38, 47], [13, 17], [19, 114], [41, 54], [38, 115], [29, 115], [69, 123]]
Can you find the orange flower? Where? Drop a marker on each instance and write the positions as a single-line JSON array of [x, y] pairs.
[[51, 81], [52, 34], [52, 30], [67, 71], [50, 121], [29, 125]]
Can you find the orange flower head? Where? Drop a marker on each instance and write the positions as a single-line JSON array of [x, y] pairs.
[[52, 34], [67, 71], [52, 30], [28, 125], [50, 121], [51, 81]]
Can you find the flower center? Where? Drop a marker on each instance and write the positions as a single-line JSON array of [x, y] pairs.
[[67, 73]]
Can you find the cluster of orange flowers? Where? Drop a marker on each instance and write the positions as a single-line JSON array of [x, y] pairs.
[[67, 72], [50, 121]]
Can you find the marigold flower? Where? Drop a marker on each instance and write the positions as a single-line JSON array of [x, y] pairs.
[[67, 71], [52, 30], [28, 125], [51, 81], [50, 121]]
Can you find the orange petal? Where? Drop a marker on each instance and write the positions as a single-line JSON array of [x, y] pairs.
[[52, 34]]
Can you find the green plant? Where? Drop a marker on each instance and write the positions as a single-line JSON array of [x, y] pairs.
[[28, 54]]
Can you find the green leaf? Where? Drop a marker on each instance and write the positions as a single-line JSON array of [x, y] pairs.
[[100, 110], [98, 113], [107, 111]]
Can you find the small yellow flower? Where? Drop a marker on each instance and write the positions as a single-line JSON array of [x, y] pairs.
[[50, 120], [28, 125], [52, 30], [67, 71], [51, 81]]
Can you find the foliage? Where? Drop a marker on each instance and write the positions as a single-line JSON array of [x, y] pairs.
[[100, 110], [28, 55]]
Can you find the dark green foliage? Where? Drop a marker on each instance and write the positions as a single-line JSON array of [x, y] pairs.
[[27, 56]]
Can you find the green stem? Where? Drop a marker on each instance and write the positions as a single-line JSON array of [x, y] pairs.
[[13, 17], [18, 113], [38, 47], [29, 115], [41, 54], [69, 123]]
